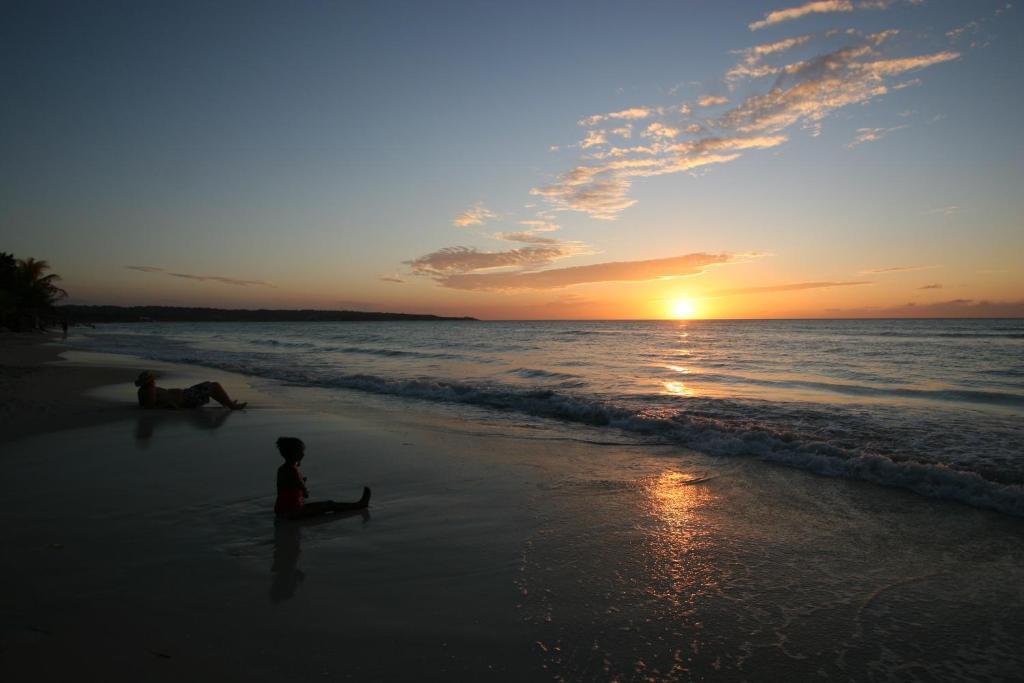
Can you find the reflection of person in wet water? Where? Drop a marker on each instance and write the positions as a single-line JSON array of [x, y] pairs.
[[288, 547], [291, 486], [148, 421], [152, 396], [287, 575]]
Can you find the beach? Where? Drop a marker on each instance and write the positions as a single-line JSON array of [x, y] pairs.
[[142, 546]]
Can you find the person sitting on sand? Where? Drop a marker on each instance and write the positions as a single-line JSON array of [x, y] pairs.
[[152, 396], [291, 486]]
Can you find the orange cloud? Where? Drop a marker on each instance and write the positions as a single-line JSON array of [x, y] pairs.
[[791, 13], [557, 278], [711, 100], [478, 214], [450, 260], [202, 278], [895, 269], [790, 287], [954, 308]]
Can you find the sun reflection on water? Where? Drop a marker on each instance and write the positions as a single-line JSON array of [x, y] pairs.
[[681, 543], [678, 389]]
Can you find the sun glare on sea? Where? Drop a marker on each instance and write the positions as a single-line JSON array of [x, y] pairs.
[[683, 309]]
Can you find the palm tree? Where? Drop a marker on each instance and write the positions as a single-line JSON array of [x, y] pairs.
[[37, 291], [8, 286]]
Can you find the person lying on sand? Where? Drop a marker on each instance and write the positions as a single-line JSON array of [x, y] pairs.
[[152, 396], [291, 486]]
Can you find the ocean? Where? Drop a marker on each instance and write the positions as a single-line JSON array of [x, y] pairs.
[[933, 406]]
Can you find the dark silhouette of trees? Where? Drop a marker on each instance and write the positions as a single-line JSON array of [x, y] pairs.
[[124, 314], [27, 292]]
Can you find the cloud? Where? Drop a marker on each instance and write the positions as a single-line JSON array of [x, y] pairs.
[[791, 13], [392, 278], [632, 113], [202, 278], [858, 69], [540, 225], [557, 278], [790, 287], [601, 190], [660, 130], [934, 286], [803, 93], [945, 210], [954, 308], [806, 92], [451, 260], [895, 269], [526, 237], [592, 190], [594, 138], [478, 214], [752, 66], [711, 100], [872, 135]]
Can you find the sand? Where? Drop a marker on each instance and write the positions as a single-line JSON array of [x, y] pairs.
[[140, 546]]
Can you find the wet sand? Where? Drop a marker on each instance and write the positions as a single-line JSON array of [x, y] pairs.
[[142, 547]]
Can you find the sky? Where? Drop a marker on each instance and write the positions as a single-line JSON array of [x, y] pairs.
[[521, 160]]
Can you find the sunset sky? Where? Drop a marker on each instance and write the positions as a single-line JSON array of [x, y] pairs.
[[835, 158]]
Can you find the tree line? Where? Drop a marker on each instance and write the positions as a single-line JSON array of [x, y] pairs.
[[28, 294], [130, 314]]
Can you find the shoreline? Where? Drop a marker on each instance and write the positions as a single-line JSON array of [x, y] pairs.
[[44, 393], [527, 554]]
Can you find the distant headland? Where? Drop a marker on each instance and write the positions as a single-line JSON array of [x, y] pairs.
[[131, 314]]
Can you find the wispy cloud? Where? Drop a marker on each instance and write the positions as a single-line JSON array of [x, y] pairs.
[[712, 100], [803, 93], [526, 237], [872, 135], [944, 210], [895, 269], [593, 139], [954, 308], [751, 65], [789, 287], [937, 285], [451, 260], [808, 91], [478, 214], [791, 13], [202, 278], [632, 113], [557, 278], [392, 278], [592, 190]]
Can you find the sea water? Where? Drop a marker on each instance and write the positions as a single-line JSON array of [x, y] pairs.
[[934, 406]]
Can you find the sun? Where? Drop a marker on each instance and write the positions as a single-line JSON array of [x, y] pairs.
[[683, 308]]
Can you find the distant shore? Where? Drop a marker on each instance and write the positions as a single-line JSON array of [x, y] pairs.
[[122, 314]]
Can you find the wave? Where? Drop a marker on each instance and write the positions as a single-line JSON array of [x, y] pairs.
[[280, 343], [853, 444], [395, 353], [533, 373], [710, 435], [923, 334], [947, 395]]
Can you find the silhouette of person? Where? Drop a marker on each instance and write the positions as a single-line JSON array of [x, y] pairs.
[[196, 396]]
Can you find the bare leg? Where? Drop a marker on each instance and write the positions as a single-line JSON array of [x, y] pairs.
[[221, 396], [324, 507]]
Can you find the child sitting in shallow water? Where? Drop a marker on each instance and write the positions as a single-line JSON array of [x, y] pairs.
[[291, 486]]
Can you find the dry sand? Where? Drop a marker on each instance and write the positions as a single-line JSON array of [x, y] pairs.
[[140, 546]]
